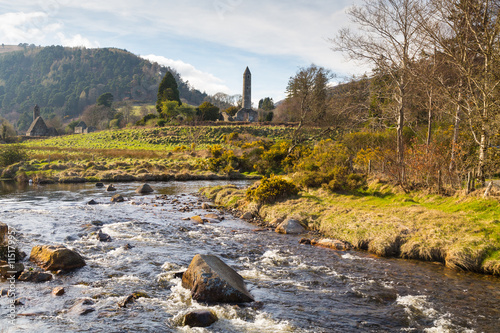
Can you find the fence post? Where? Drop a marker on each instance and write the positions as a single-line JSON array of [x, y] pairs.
[[439, 181], [469, 181]]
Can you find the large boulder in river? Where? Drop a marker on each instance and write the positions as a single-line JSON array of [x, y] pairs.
[[56, 257], [290, 226], [212, 281], [144, 189]]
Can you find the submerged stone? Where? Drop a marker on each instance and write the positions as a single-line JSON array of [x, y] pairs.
[[212, 281]]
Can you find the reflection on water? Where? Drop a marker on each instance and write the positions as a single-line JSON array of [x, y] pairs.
[[303, 288]]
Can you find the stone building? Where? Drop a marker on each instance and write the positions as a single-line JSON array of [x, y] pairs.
[[38, 126], [81, 128]]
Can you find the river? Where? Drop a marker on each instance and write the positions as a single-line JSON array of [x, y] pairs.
[[301, 288]]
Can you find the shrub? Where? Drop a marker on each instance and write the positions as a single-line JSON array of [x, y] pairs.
[[223, 160], [10, 154], [328, 166], [147, 118], [274, 160], [272, 189]]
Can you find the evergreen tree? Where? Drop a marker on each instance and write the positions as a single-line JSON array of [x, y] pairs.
[[168, 91], [105, 99]]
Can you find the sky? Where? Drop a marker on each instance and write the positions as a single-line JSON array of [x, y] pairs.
[[209, 42]]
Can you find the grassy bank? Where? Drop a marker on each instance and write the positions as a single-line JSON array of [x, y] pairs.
[[460, 232]]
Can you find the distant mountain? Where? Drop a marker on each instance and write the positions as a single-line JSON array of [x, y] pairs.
[[63, 81]]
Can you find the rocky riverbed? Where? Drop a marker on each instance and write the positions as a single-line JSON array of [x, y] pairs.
[[136, 250]]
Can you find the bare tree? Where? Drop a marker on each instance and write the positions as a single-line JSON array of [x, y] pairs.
[[467, 34], [307, 98], [389, 39]]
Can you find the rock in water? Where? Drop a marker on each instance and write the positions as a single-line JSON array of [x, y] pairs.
[[54, 258], [99, 185], [58, 291], [144, 189], [110, 188], [82, 307], [334, 244], [102, 237], [117, 198], [197, 219], [7, 270], [35, 276], [92, 202], [199, 318], [290, 226], [212, 281], [131, 298], [246, 216]]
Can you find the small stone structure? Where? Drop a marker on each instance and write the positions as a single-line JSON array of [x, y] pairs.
[[81, 128], [38, 126]]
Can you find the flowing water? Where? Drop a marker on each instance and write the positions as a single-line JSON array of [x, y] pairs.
[[301, 288]]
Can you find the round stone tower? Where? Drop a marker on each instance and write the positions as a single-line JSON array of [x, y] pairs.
[[247, 90]]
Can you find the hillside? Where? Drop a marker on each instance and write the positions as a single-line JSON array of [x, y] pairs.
[[63, 81]]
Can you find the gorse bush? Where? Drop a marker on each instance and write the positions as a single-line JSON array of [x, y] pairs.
[[271, 189], [10, 154], [274, 160], [328, 166], [223, 160]]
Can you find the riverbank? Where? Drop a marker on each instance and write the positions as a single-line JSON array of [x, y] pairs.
[[461, 232], [173, 166]]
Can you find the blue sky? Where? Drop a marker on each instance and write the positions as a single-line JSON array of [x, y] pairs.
[[209, 42]]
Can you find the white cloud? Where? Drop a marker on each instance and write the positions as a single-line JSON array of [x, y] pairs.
[[37, 28], [76, 41], [25, 27], [294, 29], [200, 80]]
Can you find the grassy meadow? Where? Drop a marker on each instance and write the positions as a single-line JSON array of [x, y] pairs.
[[165, 153]]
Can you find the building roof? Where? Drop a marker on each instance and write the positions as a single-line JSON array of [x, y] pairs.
[[37, 128]]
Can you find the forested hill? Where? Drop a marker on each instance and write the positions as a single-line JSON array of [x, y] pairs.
[[63, 81]]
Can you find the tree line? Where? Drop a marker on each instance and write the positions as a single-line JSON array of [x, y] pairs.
[[434, 88], [65, 81]]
